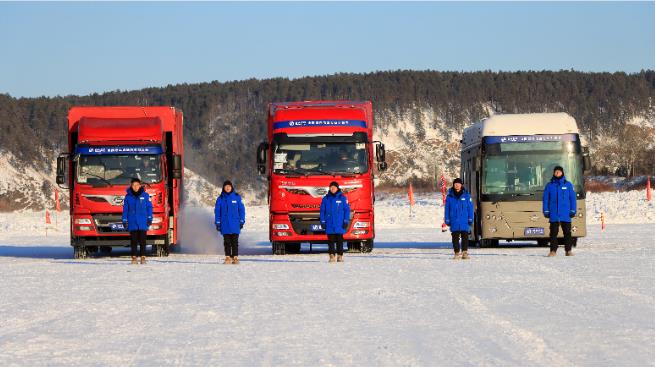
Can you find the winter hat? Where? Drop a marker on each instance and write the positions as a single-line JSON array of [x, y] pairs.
[[457, 180], [228, 182], [334, 183], [558, 168], [135, 179]]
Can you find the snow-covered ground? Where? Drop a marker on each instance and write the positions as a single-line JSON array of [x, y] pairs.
[[407, 303]]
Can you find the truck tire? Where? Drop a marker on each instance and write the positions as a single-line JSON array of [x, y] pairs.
[[80, 252], [278, 248], [354, 247], [292, 248], [366, 246], [488, 243], [105, 250]]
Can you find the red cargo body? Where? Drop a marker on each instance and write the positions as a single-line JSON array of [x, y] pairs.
[[107, 146], [311, 144]]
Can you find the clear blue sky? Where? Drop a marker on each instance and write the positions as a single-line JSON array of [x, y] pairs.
[[80, 48]]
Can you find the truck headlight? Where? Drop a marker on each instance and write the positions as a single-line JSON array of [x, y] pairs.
[[156, 220], [280, 226], [361, 225], [85, 228], [82, 221], [281, 234]]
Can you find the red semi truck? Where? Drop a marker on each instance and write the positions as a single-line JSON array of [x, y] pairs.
[[107, 146], [311, 144]]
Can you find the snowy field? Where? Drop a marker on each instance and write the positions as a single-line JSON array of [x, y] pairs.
[[405, 304]]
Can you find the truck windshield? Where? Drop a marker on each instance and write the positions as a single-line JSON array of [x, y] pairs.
[[103, 170], [320, 158], [524, 169]]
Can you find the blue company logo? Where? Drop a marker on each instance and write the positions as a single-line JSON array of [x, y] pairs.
[[119, 150], [319, 123], [529, 138]]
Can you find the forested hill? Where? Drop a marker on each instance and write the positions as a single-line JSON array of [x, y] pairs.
[[224, 122]]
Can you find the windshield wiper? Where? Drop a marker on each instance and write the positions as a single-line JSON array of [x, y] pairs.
[[524, 194], [99, 177]]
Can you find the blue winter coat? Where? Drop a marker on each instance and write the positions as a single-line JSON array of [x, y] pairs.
[[229, 213], [458, 213], [137, 210], [335, 213], [559, 203]]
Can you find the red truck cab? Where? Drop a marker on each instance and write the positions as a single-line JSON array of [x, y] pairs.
[[107, 147], [311, 144]]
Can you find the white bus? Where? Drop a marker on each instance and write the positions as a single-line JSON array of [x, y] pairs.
[[507, 160]]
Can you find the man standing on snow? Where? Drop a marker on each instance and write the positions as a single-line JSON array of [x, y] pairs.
[[559, 206], [137, 217], [458, 215], [229, 217], [335, 216]]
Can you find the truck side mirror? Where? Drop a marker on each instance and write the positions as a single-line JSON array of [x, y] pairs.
[[262, 149], [586, 159], [62, 170], [380, 153], [381, 156], [176, 171]]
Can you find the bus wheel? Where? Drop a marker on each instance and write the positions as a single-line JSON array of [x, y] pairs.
[[367, 246], [79, 252], [543, 243], [292, 248], [278, 248]]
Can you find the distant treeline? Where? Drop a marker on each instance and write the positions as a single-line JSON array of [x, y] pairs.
[[225, 121]]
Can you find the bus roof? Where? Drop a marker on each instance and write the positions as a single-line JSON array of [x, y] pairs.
[[520, 124]]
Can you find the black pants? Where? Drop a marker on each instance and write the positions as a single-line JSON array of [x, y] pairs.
[[465, 241], [138, 238], [554, 230], [231, 244], [335, 240]]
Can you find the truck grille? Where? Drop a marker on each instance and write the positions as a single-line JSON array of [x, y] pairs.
[[104, 221], [302, 222]]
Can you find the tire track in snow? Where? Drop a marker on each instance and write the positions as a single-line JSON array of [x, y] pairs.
[[536, 349]]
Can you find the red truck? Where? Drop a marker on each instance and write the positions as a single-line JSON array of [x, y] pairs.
[[311, 144], [107, 146]]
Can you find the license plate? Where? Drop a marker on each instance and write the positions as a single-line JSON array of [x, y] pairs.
[[316, 227], [118, 227], [534, 231]]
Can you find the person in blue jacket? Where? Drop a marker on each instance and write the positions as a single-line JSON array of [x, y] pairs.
[[137, 217], [559, 206], [335, 217], [229, 218], [458, 215]]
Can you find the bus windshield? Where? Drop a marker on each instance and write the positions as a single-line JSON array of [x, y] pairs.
[[526, 168], [320, 158], [105, 170]]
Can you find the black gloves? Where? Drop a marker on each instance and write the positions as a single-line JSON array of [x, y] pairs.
[[218, 227], [149, 222], [546, 214], [125, 225], [241, 226]]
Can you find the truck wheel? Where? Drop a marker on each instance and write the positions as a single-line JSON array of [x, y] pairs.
[[354, 247], [543, 243], [367, 246], [278, 248], [292, 248], [105, 250], [79, 252], [488, 243]]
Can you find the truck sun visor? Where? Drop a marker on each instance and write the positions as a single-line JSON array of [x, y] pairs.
[[87, 150]]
